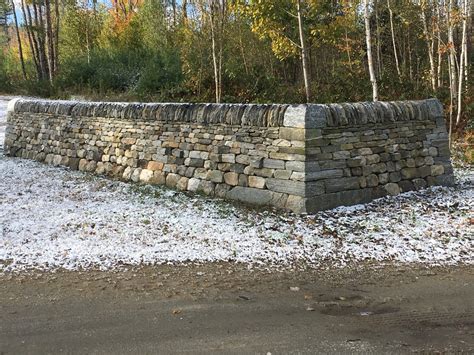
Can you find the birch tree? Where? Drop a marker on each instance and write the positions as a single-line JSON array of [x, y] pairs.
[[303, 52], [217, 13], [462, 58], [395, 52], [370, 62]]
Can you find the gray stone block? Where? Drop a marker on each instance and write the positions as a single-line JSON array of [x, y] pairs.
[[286, 186], [341, 184], [250, 195]]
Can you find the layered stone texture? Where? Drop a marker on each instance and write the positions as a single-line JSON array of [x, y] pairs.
[[299, 157]]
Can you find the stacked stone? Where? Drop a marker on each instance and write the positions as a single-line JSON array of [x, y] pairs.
[[157, 144], [301, 157]]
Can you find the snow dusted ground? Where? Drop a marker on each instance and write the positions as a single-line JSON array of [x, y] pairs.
[[54, 218]]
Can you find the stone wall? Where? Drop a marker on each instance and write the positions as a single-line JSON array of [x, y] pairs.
[[299, 157]]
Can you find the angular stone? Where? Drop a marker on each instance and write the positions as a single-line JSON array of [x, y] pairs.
[[286, 186], [194, 162], [250, 195], [437, 170], [221, 190], [372, 159], [136, 175], [297, 204], [172, 179], [286, 156], [200, 173], [92, 165], [295, 165], [193, 184], [215, 176], [296, 175], [356, 162], [295, 116], [228, 158], [146, 175], [282, 174], [155, 166], [395, 176], [264, 172], [410, 173], [256, 181], [206, 187], [314, 188], [433, 151], [292, 134], [392, 189], [82, 164], [342, 184], [419, 183], [231, 178], [343, 154], [324, 174], [159, 178], [273, 164], [383, 178], [57, 160], [242, 159], [256, 162], [342, 198], [372, 180], [406, 185], [243, 180]]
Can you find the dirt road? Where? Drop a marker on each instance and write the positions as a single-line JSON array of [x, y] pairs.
[[225, 308]]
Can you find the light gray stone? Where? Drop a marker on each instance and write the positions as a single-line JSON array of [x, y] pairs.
[[250, 195], [286, 186]]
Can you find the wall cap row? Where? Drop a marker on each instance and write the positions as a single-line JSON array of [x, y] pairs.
[[260, 115]]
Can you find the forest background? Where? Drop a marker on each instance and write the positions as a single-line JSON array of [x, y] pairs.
[[258, 51]]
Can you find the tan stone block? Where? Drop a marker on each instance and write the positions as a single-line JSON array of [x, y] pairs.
[[231, 178], [155, 166], [256, 181]]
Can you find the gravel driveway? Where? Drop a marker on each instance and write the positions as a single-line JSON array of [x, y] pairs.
[[54, 218]]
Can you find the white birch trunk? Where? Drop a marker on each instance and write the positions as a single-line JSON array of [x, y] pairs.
[[395, 53], [303, 52], [462, 63], [370, 62]]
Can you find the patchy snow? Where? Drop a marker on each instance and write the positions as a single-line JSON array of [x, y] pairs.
[[54, 218]]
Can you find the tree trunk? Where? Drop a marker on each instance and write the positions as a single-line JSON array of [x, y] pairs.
[[31, 40], [379, 42], [439, 42], [20, 47], [370, 62], [56, 34], [303, 52], [429, 43], [461, 60], [216, 53], [452, 49], [394, 44], [49, 40], [465, 43], [184, 8]]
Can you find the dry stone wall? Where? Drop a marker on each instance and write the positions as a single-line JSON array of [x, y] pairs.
[[299, 157]]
